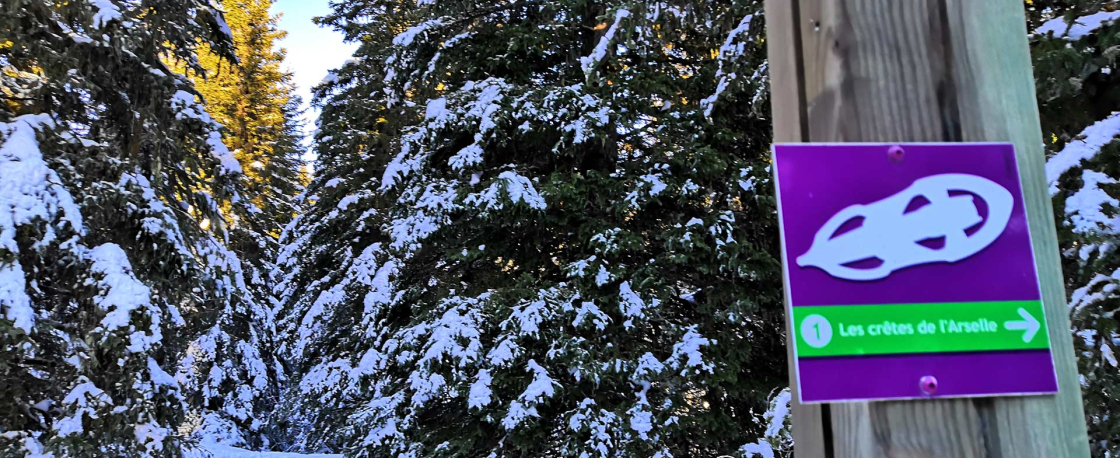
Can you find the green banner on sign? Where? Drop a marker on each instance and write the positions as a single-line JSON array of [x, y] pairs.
[[847, 330]]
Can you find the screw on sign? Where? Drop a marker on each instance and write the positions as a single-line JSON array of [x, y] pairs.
[[912, 272]]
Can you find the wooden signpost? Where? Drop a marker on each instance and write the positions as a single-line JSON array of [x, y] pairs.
[[927, 71]]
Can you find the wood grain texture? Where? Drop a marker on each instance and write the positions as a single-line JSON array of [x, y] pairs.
[[930, 70], [789, 126], [1006, 110]]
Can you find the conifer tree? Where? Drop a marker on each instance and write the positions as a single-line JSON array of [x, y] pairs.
[[1075, 45], [538, 229], [252, 98], [231, 373], [113, 181]]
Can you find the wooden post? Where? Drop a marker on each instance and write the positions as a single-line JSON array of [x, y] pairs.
[[927, 71]]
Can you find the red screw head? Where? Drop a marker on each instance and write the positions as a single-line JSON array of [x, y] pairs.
[[928, 384], [896, 153]]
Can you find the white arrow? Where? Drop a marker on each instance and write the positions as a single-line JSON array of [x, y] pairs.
[[1029, 324]]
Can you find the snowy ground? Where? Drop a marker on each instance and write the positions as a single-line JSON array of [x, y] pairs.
[[225, 451]]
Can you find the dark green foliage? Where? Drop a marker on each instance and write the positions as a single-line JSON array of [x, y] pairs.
[[111, 177], [521, 245], [1078, 93]]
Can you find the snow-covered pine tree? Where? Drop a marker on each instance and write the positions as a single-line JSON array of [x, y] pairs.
[[231, 376], [538, 229], [1075, 45], [112, 236]]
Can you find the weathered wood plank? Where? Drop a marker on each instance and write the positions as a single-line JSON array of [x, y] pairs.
[[789, 126], [993, 35], [929, 70], [782, 47], [875, 75], [878, 72]]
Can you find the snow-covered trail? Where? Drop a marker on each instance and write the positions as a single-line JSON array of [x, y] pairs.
[[225, 451]]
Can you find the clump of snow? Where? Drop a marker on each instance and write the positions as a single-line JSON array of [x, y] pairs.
[[503, 353], [603, 277], [1085, 208], [121, 294], [778, 413], [760, 449], [631, 304], [185, 106], [524, 407], [30, 191], [431, 206], [224, 27], [607, 241], [436, 109], [647, 365], [1108, 355], [405, 38], [686, 353], [227, 162], [729, 50], [600, 423], [542, 385], [518, 188], [588, 62], [159, 376], [151, 436], [746, 181], [588, 309], [529, 316], [777, 437], [31, 446], [84, 398], [1080, 27], [641, 421], [480, 393], [404, 163], [106, 12], [654, 182], [1088, 146], [454, 334], [485, 105], [13, 298], [468, 156], [1082, 297]]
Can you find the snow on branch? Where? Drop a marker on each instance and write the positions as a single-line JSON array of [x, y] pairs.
[[106, 13], [519, 189], [1090, 142], [1085, 207], [729, 50], [186, 107], [121, 294], [588, 62], [30, 191], [1079, 28]]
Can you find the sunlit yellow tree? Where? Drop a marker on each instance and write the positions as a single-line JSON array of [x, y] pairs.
[[253, 99]]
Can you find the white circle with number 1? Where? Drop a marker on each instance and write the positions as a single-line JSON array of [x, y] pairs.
[[816, 331]]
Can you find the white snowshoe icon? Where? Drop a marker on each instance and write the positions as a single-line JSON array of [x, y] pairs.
[[892, 234]]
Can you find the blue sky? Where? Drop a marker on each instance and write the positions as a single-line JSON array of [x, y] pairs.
[[312, 50]]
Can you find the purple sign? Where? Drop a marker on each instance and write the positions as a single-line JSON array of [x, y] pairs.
[[910, 272]]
